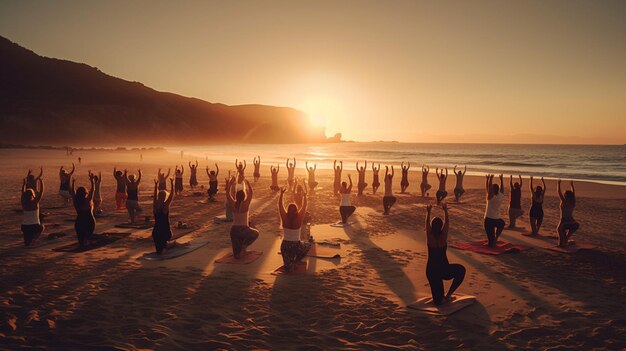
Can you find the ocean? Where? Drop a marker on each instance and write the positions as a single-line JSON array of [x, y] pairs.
[[597, 163]]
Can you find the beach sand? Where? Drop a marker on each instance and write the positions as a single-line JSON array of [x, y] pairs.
[[110, 299]]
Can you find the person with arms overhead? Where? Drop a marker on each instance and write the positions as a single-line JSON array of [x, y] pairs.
[[441, 192], [257, 168], [85, 223], [274, 171], [292, 248], [132, 198], [162, 232], [494, 225], [515, 201], [291, 167], [120, 192], [345, 207], [375, 180], [536, 209], [212, 182], [337, 179], [311, 171], [404, 182], [64, 189], [458, 189], [241, 234], [388, 198], [424, 186], [361, 185], [567, 224], [193, 178], [30, 199]]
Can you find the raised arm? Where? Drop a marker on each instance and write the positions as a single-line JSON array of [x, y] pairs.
[[40, 173], [281, 205], [207, 171], [335, 164], [24, 185], [294, 162], [217, 172], [182, 169], [573, 190], [502, 183], [229, 191], [350, 186], [365, 165], [530, 185], [357, 166], [244, 165], [40, 192], [169, 170], [393, 172], [73, 168], [139, 177], [558, 188], [408, 166], [427, 224], [91, 188], [250, 192], [126, 180], [170, 197], [544, 185], [114, 172], [446, 174], [154, 193], [305, 204], [73, 187], [287, 163], [446, 222], [386, 171], [511, 182], [341, 165], [465, 170]]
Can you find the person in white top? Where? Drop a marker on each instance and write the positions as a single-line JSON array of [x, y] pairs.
[[31, 226], [345, 207], [494, 224], [293, 249], [241, 234]]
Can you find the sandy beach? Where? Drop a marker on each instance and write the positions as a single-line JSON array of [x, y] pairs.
[[108, 298]]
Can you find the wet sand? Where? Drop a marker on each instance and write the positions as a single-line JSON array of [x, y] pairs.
[[107, 298]]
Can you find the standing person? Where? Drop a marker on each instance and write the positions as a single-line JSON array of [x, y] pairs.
[[388, 198], [132, 197], [241, 168], [257, 168], [241, 234], [97, 197], [80, 160], [337, 180], [404, 182], [375, 180], [30, 199], [120, 192], [361, 185], [424, 186], [178, 185], [162, 231], [193, 177], [85, 222], [536, 209], [162, 178], [438, 268], [31, 180], [274, 171], [291, 167], [495, 196], [458, 189], [567, 225], [515, 201], [292, 248], [212, 182], [64, 188], [441, 193], [345, 207], [311, 172]]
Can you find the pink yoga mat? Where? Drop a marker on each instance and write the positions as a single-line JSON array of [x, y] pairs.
[[500, 248], [250, 257]]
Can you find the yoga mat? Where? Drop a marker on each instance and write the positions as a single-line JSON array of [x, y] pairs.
[[97, 241], [136, 225], [298, 269], [220, 219], [425, 304], [176, 251], [339, 224], [249, 257], [500, 248], [570, 249]]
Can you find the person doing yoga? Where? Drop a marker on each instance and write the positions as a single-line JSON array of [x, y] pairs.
[[274, 170], [375, 180], [388, 198], [162, 232], [337, 179], [132, 198], [361, 184], [311, 171], [404, 181], [424, 186], [30, 199], [438, 268], [515, 201], [495, 196], [97, 197], [345, 207], [291, 167], [441, 192], [567, 225], [178, 185], [458, 188], [162, 178], [257, 168], [193, 177], [292, 248], [31, 180], [536, 209], [64, 188], [85, 222], [212, 181], [120, 191], [241, 168], [241, 234]]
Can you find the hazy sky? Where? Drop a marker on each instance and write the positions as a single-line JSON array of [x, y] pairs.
[[468, 71]]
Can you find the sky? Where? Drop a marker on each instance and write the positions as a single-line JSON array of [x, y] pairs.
[[415, 71]]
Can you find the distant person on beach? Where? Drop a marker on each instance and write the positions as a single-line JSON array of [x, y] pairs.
[[178, 184], [241, 168], [388, 198], [438, 268], [120, 192], [458, 189], [375, 180], [97, 197], [495, 196], [536, 209], [30, 199], [80, 160], [162, 232], [140, 157], [424, 186], [345, 207], [212, 182], [274, 171], [567, 225], [292, 248], [515, 201], [241, 234], [257, 168], [193, 177], [162, 178], [85, 222], [132, 197], [31, 180], [64, 189], [361, 184], [311, 171], [337, 179], [441, 192], [291, 167], [404, 181]]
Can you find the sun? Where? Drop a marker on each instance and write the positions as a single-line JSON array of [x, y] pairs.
[[321, 109]]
